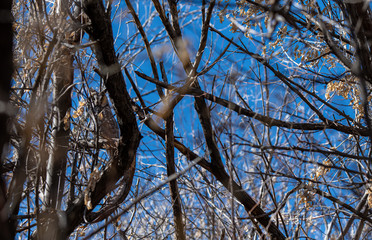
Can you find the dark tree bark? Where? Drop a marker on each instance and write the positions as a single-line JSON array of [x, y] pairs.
[[171, 169], [57, 159], [56, 168]]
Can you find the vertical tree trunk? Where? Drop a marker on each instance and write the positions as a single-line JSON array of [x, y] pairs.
[[63, 77], [171, 169], [56, 167]]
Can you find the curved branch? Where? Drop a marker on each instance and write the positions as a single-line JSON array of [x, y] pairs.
[[262, 118]]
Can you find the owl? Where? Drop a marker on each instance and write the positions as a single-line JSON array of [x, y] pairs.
[[107, 125]]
